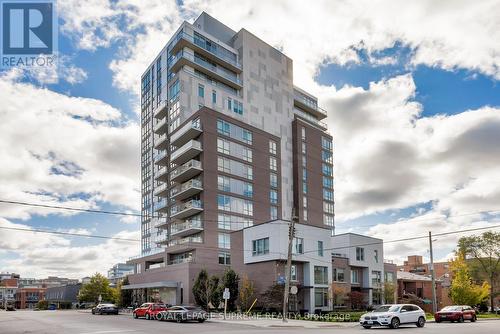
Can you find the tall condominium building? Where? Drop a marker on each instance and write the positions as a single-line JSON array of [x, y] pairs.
[[228, 142]]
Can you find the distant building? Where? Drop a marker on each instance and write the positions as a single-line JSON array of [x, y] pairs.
[[119, 271], [63, 296], [28, 298], [8, 289], [413, 286], [49, 282], [85, 280]]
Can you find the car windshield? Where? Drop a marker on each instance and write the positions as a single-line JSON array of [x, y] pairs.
[[452, 308], [387, 308]]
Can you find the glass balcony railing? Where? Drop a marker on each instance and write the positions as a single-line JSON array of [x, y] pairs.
[[188, 225], [193, 147], [182, 260], [161, 174], [187, 240], [220, 71], [186, 209], [160, 126], [190, 185], [310, 118], [161, 190], [188, 131], [161, 158], [210, 47], [161, 205]]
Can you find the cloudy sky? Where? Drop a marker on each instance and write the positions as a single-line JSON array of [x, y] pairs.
[[411, 90]]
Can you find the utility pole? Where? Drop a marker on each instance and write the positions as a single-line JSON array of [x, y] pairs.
[[288, 270], [434, 302]]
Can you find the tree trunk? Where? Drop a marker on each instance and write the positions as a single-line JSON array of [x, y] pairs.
[[492, 297]]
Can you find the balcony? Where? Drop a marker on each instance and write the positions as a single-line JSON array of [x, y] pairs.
[[161, 206], [162, 174], [187, 171], [160, 111], [187, 240], [187, 189], [161, 126], [186, 152], [308, 103], [161, 158], [161, 142], [217, 72], [310, 119], [190, 130], [183, 260], [210, 50], [185, 210], [160, 222], [161, 190], [186, 228], [162, 239]]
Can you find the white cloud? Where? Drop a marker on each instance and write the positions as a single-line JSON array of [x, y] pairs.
[[41, 255], [64, 150]]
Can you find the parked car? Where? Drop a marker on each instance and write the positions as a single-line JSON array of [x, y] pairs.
[[393, 316], [183, 314], [105, 309], [149, 310], [457, 313], [10, 308]]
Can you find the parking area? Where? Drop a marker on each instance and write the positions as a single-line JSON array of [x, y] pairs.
[[83, 322]]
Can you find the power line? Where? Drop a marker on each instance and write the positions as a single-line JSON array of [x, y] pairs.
[[67, 233]]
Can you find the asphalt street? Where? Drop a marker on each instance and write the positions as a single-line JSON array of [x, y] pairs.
[[74, 322]]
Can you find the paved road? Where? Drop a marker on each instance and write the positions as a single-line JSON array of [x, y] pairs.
[[73, 322]]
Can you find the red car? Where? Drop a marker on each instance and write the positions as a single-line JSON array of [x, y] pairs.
[[149, 310], [457, 313]]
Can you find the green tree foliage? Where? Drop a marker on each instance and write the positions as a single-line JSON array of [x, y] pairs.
[[246, 293], [389, 290], [215, 291], [42, 305], [200, 289], [231, 280], [462, 290], [485, 249], [272, 298], [98, 285]]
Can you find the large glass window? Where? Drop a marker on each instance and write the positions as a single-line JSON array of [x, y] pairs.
[[320, 248], [231, 222], [338, 274], [327, 182], [260, 246], [272, 147], [224, 258], [354, 276], [298, 245], [326, 143], [223, 146], [328, 220], [328, 195], [273, 164], [329, 207], [239, 187], [274, 212], [273, 180], [327, 170], [214, 97], [236, 150], [224, 240], [327, 156], [273, 196], [233, 131], [201, 91], [360, 254], [237, 168], [234, 204], [174, 90], [320, 297], [320, 275]]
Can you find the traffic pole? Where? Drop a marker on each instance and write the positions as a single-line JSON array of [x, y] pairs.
[[434, 302], [291, 235]]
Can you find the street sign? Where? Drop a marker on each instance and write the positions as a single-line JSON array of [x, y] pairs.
[[281, 280], [226, 294], [294, 290]]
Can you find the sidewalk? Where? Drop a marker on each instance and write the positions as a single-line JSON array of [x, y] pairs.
[[273, 323]]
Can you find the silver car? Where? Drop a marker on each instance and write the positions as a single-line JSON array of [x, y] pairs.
[[393, 316], [183, 314]]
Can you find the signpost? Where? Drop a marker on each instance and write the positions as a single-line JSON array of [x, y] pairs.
[[225, 295]]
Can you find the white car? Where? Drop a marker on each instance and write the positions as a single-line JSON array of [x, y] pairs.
[[393, 316]]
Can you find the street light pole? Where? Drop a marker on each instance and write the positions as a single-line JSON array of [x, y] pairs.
[[288, 273], [434, 302]]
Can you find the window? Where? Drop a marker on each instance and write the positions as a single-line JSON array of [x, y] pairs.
[[304, 161], [260, 246], [327, 195], [328, 220], [224, 258], [238, 107], [274, 212], [201, 91], [234, 131], [246, 136], [234, 167], [224, 165], [303, 132], [233, 223], [320, 297], [234, 204], [304, 201], [304, 187], [247, 154], [229, 104], [326, 143], [327, 170], [354, 276], [214, 97], [320, 275], [293, 272], [327, 156], [360, 254], [388, 277], [223, 202], [304, 214], [174, 90], [223, 127], [304, 175], [223, 183], [273, 180], [273, 196], [273, 164], [223, 146], [375, 255], [320, 248], [303, 148], [327, 182], [376, 278], [338, 275], [329, 207], [272, 147], [224, 240], [298, 245]]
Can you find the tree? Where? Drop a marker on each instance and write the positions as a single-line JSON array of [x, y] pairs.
[[389, 290], [231, 280], [98, 286], [124, 296], [338, 296], [462, 290], [246, 293], [485, 249], [357, 299], [215, 291], [272, 298], [200, 289]]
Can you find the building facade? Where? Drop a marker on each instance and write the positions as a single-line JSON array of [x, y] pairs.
[[28, 298], [227, 142], [8, 288], [63, 296], [119, 271]]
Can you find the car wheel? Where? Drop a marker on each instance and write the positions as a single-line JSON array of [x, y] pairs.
[[93, 312], [367, 327], [438, 321], [461, 319], [159, 317], [147, 316], [473, 319], [421, 322], [134, 315], [178, 319], [201, 320], [395, 323]]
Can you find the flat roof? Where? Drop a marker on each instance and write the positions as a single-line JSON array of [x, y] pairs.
[[161, 284]]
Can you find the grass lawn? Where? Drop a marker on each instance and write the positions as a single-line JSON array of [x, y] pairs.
[[488, 316]]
